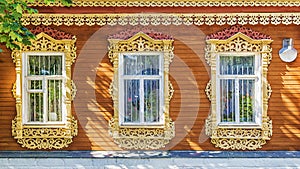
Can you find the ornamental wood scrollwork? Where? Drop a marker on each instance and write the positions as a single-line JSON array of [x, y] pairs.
[[208, 90], [161, 19], [73, 90], [173, 3], [45, 136], [141, 137], [238, 39]]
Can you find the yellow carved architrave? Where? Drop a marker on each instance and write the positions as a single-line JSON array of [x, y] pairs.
[[141, 137], [173, 3], [43, 136], [238, 137]]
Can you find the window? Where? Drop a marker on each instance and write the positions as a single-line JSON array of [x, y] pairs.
[[239, 89], [44, 90], [141, 89], [44, 94]]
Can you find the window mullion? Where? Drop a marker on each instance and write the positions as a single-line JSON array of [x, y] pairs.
[[161, 100], [45, 104], [237, 101], [142, 120]]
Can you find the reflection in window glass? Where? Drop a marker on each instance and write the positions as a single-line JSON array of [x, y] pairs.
[[142, 88], [237, 89], [45, 88]]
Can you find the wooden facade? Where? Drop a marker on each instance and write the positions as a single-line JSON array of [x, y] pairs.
[[189, 73]]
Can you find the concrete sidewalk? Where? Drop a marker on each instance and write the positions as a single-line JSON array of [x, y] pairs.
[[150, 159], [155, 163]]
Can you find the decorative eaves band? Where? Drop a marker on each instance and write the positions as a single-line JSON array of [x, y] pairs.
[[175, 3], [162, 19]]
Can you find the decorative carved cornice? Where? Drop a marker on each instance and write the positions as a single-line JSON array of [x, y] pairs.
[[229, 32], [124, 35], [162, 19], [54, 33], [176, 3], [140, 42]]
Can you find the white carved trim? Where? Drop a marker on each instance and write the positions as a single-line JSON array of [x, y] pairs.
[[162, 19]]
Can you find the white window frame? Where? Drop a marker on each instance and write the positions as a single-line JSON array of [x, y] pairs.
[[123, 77], [258, 91], [26, 91]]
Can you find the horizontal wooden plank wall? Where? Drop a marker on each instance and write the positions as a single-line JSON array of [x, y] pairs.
[[7, 102], [189, 75]]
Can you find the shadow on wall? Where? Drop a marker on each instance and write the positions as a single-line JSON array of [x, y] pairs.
[[93, 73], [284, 105], [93, 105], [290, 111]]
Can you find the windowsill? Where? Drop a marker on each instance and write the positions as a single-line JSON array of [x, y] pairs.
[[245, 126], [44, 125], [160, 125]]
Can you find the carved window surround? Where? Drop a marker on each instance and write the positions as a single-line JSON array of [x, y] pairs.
[[141, 137], [162, 19], [45, 136], [174, 3], [238, 39]]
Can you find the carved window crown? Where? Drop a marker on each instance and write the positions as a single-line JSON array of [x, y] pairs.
[[141, 90], [238, 89], [44, 90]]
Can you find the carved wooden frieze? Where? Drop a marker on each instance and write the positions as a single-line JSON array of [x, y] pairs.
[[174, 3], [145, 19]]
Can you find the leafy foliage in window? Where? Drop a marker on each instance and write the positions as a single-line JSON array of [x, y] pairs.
[[44, 94], [238, 89]]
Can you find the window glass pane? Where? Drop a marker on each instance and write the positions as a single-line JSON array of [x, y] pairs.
[[151, 100], [227, 96], [237, 65], [132, 100], [54, 100], [141, 64], [35, 107], [247, 101], [35, 84], [45, 65]]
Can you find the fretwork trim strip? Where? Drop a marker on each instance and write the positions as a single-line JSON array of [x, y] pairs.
[[162, 19], [175, 3]]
